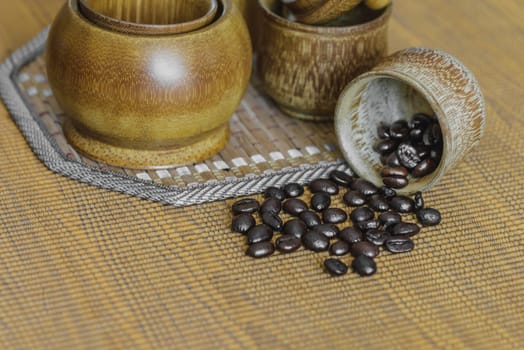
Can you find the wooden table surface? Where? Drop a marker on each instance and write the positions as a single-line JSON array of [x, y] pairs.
[[56, 235]]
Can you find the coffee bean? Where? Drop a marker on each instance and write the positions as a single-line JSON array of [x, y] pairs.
[[383, 131], [248, 205], [354, 199], [320, 201], [364, 187], [351, 235], [394, 171], [315, 241], [288, 243], [260, 250], [425, 167], [415, 135], [384, 158], [259, 233], [387, 192], [293, 190], [323, 185], [294, 206], [273, 221], [435, 154], [328, 230], [368, 225], [389, 218], [420, 120], [339, 248], [399, 130], [335, 267], [385, 146], [432, 135], [395, 181], [423, 151], [295, 227], [428, 217], [271, 205], [378, 203], [364, 248], [274, 192], [341, 178], [364, 266], [405, 229], [407, 155], [310, 218], [399, 244], [418, 200], [242, 223], [361, 214], [334, 216], [402, 204], [377, 237], [392, 160]]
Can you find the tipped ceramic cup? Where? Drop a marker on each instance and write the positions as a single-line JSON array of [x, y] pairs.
[[410, 81], [304, 68], [148, 100]]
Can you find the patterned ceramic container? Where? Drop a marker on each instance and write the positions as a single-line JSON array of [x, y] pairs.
[[410, 81]]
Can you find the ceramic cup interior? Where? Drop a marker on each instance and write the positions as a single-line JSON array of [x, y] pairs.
[[150, 16]]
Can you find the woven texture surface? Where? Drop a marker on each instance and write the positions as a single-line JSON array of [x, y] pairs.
[[86, 268]]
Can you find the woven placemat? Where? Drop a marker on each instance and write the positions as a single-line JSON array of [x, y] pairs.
[[266, 147]]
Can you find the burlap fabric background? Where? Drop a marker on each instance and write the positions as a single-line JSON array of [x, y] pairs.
[[84, 268]]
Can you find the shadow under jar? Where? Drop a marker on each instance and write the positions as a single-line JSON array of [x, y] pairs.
[[158, 94], [304, 68]]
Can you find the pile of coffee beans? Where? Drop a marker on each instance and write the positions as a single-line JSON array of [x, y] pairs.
[[372, 220], [409, 149]]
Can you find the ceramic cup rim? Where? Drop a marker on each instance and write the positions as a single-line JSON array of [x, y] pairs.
[[128, 27], [329, 30]]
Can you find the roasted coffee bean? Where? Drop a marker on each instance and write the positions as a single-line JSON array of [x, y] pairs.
[[389, 218], [392, 160], [368, 225], [323, 185], [335, 267], [384, 158], [377, 237], [248, 205], [341, 178], [334, 216], [354, 199], [425, 167], [383, 131], [243, 223], [293, 190], [378, 203], [320, 201], [288, 243], [423, 151], [364, 248], [294, 206], [351, 235], [295, 227], [428, 217], [415, 135], [259, 233], [397, 182], [435, 154], [260, 250], [274, 192], [310, 218], [364, 187], [399, 244], [407, 155], [328, 230], [386, 146], [315, 241], [273, 221], [420, 120], [418, 200], [387, 192], [399, 130], [432, 135], [394, 171], [405, 229], [402, 204], [339, 248], [271, 205], [364, 266], [361, 214]]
